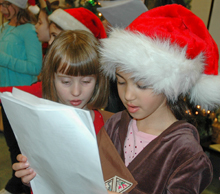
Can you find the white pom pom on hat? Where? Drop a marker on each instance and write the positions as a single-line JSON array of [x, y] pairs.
[[34, 9]]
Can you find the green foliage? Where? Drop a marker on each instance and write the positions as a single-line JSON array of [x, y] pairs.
[[203, 118], [187, 2], [91, 5]]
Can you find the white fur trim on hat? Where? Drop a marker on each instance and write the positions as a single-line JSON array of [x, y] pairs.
[[34, 9], [20, 3], [159, 64], [206, 92], [66, 21]]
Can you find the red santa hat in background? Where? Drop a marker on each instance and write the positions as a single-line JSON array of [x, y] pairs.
[[170, 49], [78, 19]]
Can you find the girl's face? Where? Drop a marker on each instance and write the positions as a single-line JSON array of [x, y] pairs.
[[9, 11], [42, 27], [74, 90], [54, 31], [140, 100]]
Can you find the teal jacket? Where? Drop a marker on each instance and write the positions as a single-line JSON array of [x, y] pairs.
[[20, 55]]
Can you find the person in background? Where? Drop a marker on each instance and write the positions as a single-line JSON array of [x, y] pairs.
[[42, 26], [20, 64], [20, 49], [75, 18], [173, 57]]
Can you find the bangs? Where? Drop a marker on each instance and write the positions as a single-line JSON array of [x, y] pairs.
[[82, 61], [78, 69]]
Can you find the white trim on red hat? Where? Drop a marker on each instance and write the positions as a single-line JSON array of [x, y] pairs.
[[66, 21], [159, 64]]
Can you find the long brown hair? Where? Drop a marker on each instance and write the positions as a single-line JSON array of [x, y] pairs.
[[180, 109], [74, 53]]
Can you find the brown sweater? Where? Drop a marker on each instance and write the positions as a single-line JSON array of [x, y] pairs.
[[174, 162]]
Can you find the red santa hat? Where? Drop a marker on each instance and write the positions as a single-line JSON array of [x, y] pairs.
[[170, 49], [78, 19]]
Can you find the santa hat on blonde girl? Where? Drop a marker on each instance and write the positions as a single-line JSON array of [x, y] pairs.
[[170, 49], [78, 19]]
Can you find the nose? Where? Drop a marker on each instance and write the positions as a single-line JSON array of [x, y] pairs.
[[75, 89], [51, 40], [129, 93], [36, 26]]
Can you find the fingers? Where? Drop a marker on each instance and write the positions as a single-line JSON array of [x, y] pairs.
[[21, 158], [23, 170], [29, 174], [26, 175], [20, 166]]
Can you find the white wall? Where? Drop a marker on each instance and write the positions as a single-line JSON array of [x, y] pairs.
[[202, 8], [214, 27]]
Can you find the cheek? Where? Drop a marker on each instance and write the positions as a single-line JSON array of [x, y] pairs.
[[91, 90], [59, 89], [155, 100], [120, 92], [62, 94]]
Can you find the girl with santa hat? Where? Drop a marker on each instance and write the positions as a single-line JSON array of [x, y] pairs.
[[163, 56]]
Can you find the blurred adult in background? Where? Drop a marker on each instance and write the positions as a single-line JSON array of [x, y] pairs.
[[20, 49], [20, 64]]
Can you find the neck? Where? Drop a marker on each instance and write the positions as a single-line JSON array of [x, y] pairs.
[[13, 22], [157, 122]]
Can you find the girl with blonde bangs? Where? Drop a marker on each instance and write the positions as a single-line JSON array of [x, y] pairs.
[[72, 55], [71, 75]]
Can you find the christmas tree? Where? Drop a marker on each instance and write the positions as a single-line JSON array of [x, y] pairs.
[[91, 5], [204, 119]]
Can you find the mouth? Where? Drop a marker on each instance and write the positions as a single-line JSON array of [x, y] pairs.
[[132, 108], [76, 102]]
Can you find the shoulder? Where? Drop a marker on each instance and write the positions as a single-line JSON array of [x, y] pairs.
[[105, 114], [181, 129], [115, 118], [184, 138], [121, 118], [27, 28]]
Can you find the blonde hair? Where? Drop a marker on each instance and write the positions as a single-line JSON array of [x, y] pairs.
[[74, 53]]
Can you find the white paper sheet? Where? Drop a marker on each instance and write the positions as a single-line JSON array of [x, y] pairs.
[[59, 142], [121, 13]]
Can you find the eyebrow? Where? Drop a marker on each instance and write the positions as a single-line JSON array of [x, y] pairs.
[[119, 75], [62, 75]]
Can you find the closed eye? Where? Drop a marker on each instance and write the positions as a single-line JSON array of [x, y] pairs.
[[86, 82], [65, 82], [142, 87], [120, 82]]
